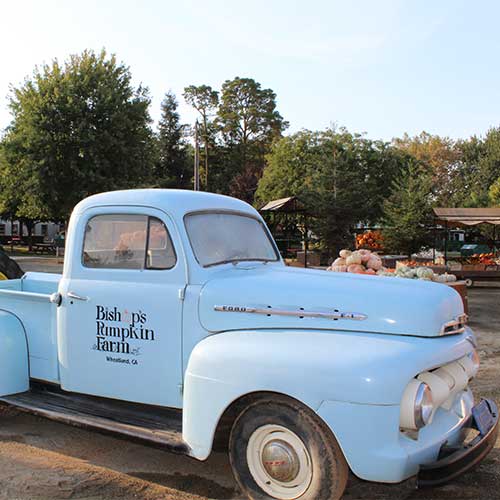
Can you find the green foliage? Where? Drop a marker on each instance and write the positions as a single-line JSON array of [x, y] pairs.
[[487, 166], [442, 158], [494, 193], [341, 178], [9, 196], [173, 168], [77, 129], [203, 98], [248, 123], [463, 170], [247, 113], [407, 211]]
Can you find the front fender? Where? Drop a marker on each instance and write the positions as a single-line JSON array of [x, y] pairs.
[[310, 366], [14, 369]]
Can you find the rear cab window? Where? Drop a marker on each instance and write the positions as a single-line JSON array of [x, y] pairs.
[[127, 241]]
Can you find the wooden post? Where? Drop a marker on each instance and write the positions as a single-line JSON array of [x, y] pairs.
[[446, 242], [435, 242]]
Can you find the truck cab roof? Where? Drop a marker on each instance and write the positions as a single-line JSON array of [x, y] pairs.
[[176, 202]]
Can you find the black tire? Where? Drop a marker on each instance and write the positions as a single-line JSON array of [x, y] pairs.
[[329, 467], [9, 267]]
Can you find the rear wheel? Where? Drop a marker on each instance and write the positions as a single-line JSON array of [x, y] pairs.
[[280, 449]]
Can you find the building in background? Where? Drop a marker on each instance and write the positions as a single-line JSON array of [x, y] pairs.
[[41, 231]]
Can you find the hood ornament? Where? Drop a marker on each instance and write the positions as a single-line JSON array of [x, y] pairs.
[[271, 311]]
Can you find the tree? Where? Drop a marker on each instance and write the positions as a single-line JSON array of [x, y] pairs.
[[173, 168], [477, 170], [249, 123], [440, 155], [77, 129], [487, 167], [463, 187], [494, 193], [407, 211], [341, 178], [16, 203], [205, 100]]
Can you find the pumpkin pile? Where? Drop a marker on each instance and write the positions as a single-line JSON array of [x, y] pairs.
[[360, 261], [371, 240], [414, 263], [421, 273], [482, 258], [366, 262]]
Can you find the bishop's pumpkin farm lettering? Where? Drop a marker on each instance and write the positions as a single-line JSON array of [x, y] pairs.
[[115, 329]]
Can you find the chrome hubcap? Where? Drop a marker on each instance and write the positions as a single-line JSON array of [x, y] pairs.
[[280, 461]]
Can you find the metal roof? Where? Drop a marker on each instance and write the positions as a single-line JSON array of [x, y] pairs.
[[468, 216], [290, 204]]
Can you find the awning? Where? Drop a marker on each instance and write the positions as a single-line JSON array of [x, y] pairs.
[[290, 205], [467, 216]]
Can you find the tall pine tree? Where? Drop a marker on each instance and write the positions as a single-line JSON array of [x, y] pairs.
[[407, 212], [173, 168]]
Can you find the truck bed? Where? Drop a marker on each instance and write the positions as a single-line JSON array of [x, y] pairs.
[[152, 425], [28, 298]]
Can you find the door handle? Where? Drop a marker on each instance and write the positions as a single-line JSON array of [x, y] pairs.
[[75, 296]]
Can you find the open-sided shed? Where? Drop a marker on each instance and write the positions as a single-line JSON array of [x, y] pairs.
[[466, 217], [290, 207]]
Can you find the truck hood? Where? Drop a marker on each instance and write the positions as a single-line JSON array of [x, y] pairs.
[[394, 306]]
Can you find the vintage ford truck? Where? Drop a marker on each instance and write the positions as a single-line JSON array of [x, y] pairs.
[[176, 323]]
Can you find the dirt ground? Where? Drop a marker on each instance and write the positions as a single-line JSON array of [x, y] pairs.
[[40, 459]]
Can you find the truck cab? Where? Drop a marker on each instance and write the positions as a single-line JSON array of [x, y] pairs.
[[176, 323]]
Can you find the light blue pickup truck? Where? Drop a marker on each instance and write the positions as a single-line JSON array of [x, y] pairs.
[[176, 323]]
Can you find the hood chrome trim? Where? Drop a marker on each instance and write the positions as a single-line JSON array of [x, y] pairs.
[[454, 326], [270, 311]]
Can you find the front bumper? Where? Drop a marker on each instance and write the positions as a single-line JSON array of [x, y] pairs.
[[454, 461], [376, 450]]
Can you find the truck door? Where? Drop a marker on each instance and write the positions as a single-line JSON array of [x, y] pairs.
[[120, 320]]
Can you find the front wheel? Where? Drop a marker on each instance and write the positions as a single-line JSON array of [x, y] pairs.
[[280, 449]]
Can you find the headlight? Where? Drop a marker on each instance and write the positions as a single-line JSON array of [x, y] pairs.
[[416, 406], [423, 406]]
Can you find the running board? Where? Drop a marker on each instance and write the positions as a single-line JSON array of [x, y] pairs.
[[151, 425]]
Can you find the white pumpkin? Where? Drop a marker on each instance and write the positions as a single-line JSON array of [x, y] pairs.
[[354, 258], [345, 253]]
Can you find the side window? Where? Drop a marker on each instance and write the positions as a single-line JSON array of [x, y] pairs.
[[115, 241], [161, 253], [127, 242]]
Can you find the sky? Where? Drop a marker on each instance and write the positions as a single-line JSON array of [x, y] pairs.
[[382, 67]]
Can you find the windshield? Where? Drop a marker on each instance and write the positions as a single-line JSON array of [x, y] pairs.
[[218, 238]]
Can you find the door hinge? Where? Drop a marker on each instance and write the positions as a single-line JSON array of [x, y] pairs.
[[182, 293]]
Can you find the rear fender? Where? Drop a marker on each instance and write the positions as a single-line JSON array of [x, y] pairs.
[[14, 365]]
